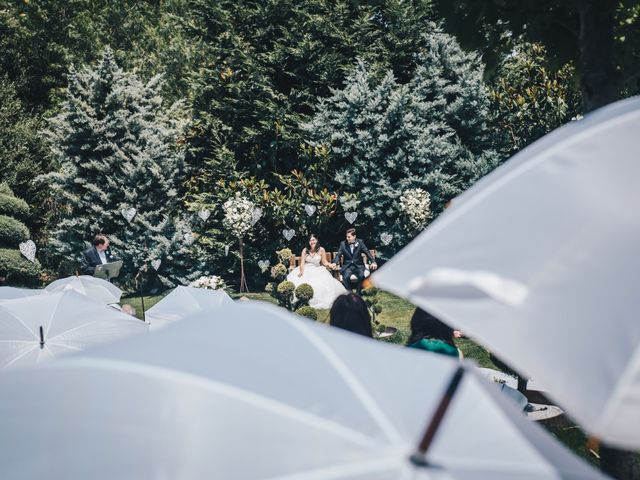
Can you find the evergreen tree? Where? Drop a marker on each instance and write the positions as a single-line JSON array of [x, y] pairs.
[[531, 99], [121, 164], [20, 271], [266, 63], [23, 154], [386, 137]]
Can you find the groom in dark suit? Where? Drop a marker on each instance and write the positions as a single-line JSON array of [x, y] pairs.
[[96, 255], [351, 253]]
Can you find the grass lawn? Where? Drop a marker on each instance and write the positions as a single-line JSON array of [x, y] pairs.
[[396, 312]]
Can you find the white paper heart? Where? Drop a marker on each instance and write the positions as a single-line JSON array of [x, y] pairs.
[[310, 209], [386, 238], [264, 265], [188, 238], [28, 249], [226, 249], [204, 214], [351, 217], [128, 213], [256, 214], [288, 234], [156, 264]]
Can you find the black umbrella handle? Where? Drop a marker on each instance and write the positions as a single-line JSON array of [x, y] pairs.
[[419, 458], [41, 338]]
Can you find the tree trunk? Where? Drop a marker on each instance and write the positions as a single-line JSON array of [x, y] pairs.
[[619, 464], [599, 80]]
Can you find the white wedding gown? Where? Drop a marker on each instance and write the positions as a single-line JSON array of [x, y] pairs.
[[325, 288]]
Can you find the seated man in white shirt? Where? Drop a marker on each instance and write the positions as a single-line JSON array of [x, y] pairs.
[[96, 255]]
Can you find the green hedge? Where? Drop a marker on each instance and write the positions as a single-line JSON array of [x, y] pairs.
[[13, 206], [12, 232], [21, 271], [5, 190]]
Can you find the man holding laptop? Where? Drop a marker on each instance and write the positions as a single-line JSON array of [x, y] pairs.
[[97, 254]]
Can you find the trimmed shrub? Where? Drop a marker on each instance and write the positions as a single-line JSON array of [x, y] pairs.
[[5, 190], [20, 270], [307, 311], [278, 271], [304, 293], [13, 206], [286, 288], [12, 232]]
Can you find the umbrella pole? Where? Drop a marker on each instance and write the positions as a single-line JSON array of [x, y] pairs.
[[41, 338], [419, 458]]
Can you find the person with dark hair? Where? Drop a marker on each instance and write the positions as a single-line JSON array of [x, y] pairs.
[[3, 278], [95, 255], [429, 333], [353, 269], [313, 271], [350, 312]]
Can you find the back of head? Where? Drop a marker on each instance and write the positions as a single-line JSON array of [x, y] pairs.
[[425, 325], [99, 239], [350, 312]]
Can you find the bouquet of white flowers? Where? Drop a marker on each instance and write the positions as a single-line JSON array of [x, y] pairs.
[[212, 282], [415, 203], [238, 215]]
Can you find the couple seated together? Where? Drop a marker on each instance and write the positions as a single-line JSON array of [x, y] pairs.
[[314, 269]]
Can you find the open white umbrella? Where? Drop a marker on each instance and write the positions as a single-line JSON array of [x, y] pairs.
[[182, 302], [38, 328], [92, 287], [10, 293], [540, 263], [259, 393]]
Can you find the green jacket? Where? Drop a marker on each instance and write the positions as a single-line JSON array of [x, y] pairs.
[[435, 346]]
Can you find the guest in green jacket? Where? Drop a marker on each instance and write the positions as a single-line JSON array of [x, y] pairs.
[[429, 333]]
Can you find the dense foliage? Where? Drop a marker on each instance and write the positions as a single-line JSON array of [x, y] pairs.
[[257, 80]]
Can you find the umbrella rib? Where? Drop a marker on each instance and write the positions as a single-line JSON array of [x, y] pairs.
[[53, 314], [35, 336], [267, 403], [350, 379], [19, 356]]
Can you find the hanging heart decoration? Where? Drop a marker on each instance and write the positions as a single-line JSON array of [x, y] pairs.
[[226, 249], [128, 213], [156, 264], [188, 238], [204, 214], [386, 238], [351, 217], [264, 265], [28, 249], [288, 234], [310, 209], [256, 214]]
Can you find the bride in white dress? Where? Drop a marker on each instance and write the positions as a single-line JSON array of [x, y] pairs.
[[313, 270]]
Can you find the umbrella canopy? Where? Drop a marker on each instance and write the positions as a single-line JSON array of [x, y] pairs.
[[10, 293], [540, 261], [38, 328], [92, 287], [182, 302], [260, 393]]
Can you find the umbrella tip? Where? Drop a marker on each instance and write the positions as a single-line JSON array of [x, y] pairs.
[[41, 338]]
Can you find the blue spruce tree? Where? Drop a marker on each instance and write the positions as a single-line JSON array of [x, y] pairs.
[[120, 167], [387, 138]]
